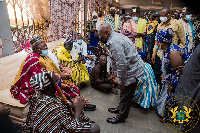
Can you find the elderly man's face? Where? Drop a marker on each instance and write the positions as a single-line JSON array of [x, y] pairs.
[[79, 37], [164, 13], [41, 46], [103, 36]]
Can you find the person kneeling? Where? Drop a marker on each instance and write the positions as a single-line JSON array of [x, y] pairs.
[[100, 79], [49, 113]]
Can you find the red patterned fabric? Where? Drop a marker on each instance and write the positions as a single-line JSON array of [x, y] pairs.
[[63, 13], [21, 89], [32, 65]]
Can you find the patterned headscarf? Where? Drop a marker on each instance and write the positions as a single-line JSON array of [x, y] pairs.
[[36, 39], [165, 36], [40, 81], [67, 38]]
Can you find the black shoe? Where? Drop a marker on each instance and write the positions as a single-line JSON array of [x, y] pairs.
[[135, 105], [90, 107], [113, 110], [115, 120]]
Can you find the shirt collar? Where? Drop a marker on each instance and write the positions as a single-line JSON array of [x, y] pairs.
[[111, 35]]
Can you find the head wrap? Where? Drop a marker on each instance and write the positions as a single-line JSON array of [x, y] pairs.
[[94, 14], [165, 36], [36, 39], [40, 81], [67, 38], [142, 54]]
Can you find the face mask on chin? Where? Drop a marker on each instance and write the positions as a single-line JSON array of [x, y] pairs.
[[94, 20], [79, 41], [188, 17], [158, 48], [44, 52], [163, 19]]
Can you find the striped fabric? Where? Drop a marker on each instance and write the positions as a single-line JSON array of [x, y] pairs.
[[147, 90], [20, 88], [40, 80], [48, 114]]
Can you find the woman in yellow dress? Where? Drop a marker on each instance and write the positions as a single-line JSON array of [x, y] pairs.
[[68, 57]]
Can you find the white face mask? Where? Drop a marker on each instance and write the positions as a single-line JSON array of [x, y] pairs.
[[188, 17], [163, 19]]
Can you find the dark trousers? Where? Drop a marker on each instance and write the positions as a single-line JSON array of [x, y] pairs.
[[126, 98]]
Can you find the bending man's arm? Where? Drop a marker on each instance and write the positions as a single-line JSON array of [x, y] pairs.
[[121, 64]]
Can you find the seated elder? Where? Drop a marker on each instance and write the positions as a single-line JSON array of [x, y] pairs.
[[82, 50], [100, 79], [41, 59], [68, 57], [49, 113]]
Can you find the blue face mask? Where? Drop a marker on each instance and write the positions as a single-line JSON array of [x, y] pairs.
[[79, 41], [158, 48], [135, 18], [94, 20], [188, 17], [44, 52]]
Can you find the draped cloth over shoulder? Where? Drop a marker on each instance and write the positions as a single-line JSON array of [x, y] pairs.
[[34, 64]]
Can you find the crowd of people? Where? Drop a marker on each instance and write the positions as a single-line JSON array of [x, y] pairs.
[[149, 59]]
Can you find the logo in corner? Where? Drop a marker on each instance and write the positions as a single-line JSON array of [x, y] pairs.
[[183, 113], [180, 115]]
